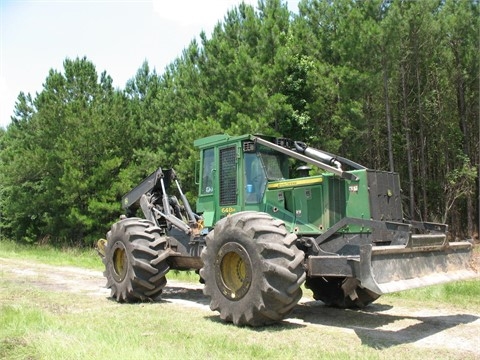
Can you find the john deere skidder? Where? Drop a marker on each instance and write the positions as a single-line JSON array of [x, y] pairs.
[[258, 233]]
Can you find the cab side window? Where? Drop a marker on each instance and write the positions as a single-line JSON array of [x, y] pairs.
[[255, 178], [208, 171]]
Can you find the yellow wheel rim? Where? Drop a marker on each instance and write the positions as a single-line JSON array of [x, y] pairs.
[[233, 271], [120, 263]]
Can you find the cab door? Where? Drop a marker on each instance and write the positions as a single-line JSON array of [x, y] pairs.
[[207, 197]]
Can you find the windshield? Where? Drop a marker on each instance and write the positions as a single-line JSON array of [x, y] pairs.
[[262, 166], [274, 163]]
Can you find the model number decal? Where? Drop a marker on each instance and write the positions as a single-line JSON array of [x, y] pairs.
[[228, 210], [353, 188]]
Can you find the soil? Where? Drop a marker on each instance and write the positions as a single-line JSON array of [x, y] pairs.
[[379, 325]]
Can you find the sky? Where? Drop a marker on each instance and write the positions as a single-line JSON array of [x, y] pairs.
[[117, 36]]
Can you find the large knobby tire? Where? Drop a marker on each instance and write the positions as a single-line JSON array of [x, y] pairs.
[[252, 269], [135, 260], [329, 290]]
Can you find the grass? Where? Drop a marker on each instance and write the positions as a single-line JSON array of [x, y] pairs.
[[40, 324], [460, 294], [85, 258], [43, 325]]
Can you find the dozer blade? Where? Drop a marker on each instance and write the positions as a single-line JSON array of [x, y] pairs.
[[423, 261]]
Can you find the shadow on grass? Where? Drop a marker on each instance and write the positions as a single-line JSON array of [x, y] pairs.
[[193, 294], [280, 326], [375, 329]]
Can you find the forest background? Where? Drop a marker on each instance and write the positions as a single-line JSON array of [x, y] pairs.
[[393, 85]]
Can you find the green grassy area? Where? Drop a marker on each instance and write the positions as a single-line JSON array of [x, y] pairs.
[[460, 294], [37, 323], [84, 258]]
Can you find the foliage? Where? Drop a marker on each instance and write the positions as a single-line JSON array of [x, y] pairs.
[[392, 85]]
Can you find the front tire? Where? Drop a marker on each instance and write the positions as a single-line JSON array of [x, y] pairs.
[[252, 269], [135, 260]]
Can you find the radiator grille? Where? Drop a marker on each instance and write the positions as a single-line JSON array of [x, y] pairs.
[[228, 176]]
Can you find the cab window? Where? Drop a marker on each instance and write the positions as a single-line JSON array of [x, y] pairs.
[[255, 178], [207, 171]]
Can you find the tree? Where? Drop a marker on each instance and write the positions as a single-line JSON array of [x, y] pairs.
[[61, 151], [390, 84]]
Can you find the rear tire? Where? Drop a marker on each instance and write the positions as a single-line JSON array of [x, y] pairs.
[[329, 290], [252, 269], [135, 260]]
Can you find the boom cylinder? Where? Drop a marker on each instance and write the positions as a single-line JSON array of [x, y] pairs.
[[313, 153]]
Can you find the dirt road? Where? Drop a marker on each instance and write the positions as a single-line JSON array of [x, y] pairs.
[[379, 326]]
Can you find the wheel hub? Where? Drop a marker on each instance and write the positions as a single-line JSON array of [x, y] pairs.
[[233, 271], [119, 260]]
